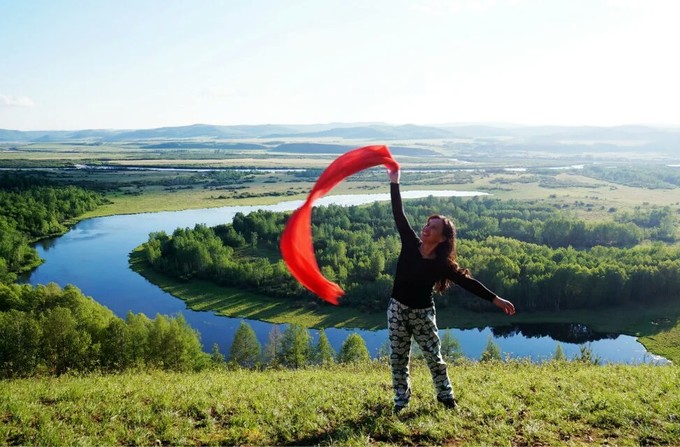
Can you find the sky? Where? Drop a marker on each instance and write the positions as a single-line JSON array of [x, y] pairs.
[[131, 64]]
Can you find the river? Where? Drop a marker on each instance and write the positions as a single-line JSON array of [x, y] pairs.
[[93, 256]]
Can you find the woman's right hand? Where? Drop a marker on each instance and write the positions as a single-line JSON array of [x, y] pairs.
[[394, 175], [504, 305]]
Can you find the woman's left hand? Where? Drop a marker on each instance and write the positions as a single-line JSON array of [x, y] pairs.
[[394, 175], [505, 305]]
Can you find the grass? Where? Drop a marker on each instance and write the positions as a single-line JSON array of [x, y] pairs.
[[594, 202], [513, 403], [665, 343], [159, 200]]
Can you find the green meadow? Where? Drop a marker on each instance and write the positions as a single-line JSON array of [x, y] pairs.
[[514, 403]]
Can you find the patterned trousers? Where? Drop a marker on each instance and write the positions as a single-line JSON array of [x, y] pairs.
[[404, 323]]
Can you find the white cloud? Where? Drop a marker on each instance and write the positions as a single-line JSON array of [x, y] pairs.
[[16, 101]]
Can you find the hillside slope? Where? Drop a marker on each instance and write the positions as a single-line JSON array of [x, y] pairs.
[[512, 403]]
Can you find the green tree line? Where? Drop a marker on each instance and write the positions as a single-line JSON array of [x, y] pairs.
[[653, 176], [520, 250], [42, 210], [31, 209], [49, 330], [294, 348]]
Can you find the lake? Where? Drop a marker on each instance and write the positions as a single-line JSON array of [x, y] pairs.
[[93, 256]]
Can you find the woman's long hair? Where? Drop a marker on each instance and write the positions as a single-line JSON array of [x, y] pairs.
[[446, 252]]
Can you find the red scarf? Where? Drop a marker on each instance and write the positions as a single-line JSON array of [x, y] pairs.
[[296, 240]]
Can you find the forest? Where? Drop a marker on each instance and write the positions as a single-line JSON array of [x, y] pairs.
[[47, 330], [50, 330], [31, 209], [530, 253]]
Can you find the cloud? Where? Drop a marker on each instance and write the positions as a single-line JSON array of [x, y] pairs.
[[16, 101]]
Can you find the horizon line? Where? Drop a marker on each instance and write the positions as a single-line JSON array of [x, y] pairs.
[[500, 124]]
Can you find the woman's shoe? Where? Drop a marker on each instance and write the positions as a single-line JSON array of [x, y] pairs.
[[448, 402]]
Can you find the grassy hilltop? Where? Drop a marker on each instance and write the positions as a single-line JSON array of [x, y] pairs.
[[515, 403]]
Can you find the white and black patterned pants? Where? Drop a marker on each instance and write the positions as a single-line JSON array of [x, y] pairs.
[[403, 323]]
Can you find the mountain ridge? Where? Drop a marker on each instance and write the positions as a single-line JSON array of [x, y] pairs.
[[363, 131]]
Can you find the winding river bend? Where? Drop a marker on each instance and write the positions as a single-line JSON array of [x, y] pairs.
[[93, 256]]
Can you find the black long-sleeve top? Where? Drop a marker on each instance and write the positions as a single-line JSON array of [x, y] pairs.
[[416, 276]]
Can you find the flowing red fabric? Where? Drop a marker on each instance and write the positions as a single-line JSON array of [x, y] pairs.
[[296, 240]]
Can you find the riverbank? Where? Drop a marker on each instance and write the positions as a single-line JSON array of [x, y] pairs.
[[515, 403], [657, 327]]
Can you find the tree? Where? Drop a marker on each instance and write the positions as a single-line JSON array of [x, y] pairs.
[[353, 350], [450, 347], [587, 356], [491, 352], [174, 345], [384, 351], [139, 326], [115, 346], [272, 350], [377, 264], [216, 357], [20, 336], [323, 353], [245, 349], [64, 347], [295, 346], [559, 356]]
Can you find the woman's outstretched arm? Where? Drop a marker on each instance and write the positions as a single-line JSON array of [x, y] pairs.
[[404, 228], [474, 286]]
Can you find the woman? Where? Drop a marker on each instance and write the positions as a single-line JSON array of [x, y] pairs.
[[425, 264]]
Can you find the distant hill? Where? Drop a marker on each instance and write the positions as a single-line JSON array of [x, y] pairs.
[[627, 137], [382, 132], [203, 145], [320, 148], [202, 131], [35, 135]]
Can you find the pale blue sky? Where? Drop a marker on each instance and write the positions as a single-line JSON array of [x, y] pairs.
[[138, 64]]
